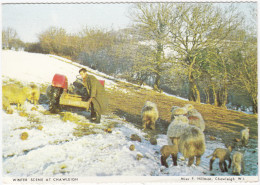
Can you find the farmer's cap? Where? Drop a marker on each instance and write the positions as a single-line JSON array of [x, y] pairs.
[[82, 69]]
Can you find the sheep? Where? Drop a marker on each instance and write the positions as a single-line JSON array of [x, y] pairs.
[[188, 107], [16, 94], [172, 110], [176, 111], [190, 139], [168, 150], [238, 164], [6, 105], [192, 144], [223, 154], [179, 111], [149, 115], [34, 94], [196, 119], [244, 135], [176, 128]]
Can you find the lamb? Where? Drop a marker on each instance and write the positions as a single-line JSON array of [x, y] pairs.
[[196, 119], [244, 135], [168, 150], [238, 164], [176, 129], [34, 95], [192, 144], [149, 115], [15, 94], [223, 154]]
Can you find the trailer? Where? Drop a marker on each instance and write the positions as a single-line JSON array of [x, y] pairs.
[[59, 94]]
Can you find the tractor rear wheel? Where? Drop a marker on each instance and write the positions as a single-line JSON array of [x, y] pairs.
[[54, 97]]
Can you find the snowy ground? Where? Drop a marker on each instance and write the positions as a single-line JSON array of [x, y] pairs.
[[56, 151]]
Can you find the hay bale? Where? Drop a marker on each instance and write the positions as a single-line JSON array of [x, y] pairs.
[[153, 141], [139, 156], [135, 137], [24, 136], [132, 147], [40, 127], [212, 138], [108, 130]]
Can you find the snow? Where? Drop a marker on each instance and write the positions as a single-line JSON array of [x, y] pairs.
[[55, 151]]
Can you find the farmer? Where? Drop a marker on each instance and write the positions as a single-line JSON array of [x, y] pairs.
[[98, 100]]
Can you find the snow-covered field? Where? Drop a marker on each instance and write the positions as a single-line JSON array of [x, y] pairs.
[[55, 151]]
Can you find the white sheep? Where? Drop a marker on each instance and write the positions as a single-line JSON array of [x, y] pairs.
[[172, 110], [238, 164], [196, 119], [16, 94], [176, 128], [177, 111], [192, 144], [149, 115], [188, 107], [244, 135]]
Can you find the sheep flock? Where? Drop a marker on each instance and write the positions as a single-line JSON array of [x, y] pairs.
[[185, 135]]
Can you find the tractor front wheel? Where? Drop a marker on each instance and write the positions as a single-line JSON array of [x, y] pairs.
[[54, 99]]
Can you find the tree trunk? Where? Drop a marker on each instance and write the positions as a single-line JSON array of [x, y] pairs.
[[222, 97], [215, 95], [192, 91], [219, 98], [157, 82], [206, 90], [255, 106], [225, 96], [225, 86], [194, 94]]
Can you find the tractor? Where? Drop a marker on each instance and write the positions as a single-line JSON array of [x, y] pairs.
[[62, 95]]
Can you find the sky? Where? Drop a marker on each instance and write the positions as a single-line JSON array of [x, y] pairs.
[[29, 20]]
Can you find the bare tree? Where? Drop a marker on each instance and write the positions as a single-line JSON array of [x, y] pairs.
[[151, 22], [194, 28], [9, 38]]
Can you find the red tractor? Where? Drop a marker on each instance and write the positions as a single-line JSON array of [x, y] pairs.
[[60, 94]]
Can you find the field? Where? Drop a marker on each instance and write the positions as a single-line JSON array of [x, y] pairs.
[[68, 144]]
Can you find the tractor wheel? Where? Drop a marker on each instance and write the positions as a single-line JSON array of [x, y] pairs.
[[54, 97]]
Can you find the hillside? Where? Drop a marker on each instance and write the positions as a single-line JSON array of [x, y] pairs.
[[72, 146], [219, 122]]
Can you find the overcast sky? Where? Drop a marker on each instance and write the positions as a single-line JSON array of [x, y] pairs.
[[29, 20]]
